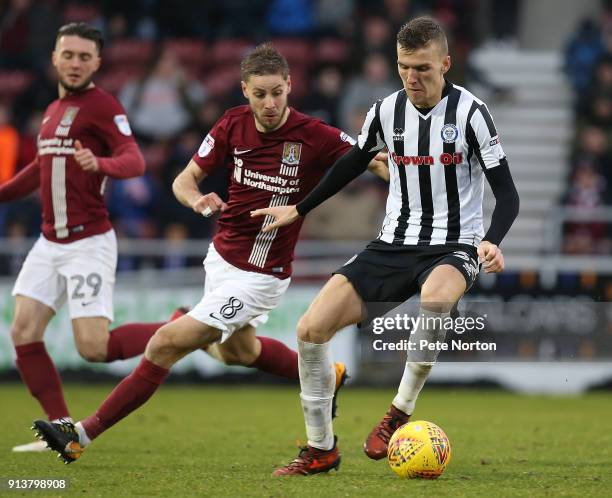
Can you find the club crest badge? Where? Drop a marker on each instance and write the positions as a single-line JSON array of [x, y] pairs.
[[449, 133], [291, 153], [69, 116]]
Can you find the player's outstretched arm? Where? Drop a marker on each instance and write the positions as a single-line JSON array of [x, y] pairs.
[[345, 169], [23, 183], [186, 191]]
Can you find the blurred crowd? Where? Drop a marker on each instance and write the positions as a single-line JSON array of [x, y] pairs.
[[588, 63], [175, 67]]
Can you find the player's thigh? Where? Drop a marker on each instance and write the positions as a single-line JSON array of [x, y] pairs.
[[336, 306], [234, 298], [39, 278], [442, 288], [89, 265], [91, 337], [30, 320], [241, 348], [178, 338]]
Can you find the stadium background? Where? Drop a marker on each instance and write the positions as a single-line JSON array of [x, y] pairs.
[[174, 65]]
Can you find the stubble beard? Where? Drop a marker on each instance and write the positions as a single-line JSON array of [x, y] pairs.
[[74, 88], [273, 126]]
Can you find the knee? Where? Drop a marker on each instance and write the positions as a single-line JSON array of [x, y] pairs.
[[438, 298], [238, 357], [93, 351], [160, 343], [309, 329], [23, 332]]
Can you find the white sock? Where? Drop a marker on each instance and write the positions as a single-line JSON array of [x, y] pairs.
[[83, 437], [419, 363], [317, 380], [415, 375]]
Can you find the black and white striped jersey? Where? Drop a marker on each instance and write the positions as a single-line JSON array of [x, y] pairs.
[[437, 163]]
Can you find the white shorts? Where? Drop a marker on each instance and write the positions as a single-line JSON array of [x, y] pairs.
[[234, 298], [82, 272]]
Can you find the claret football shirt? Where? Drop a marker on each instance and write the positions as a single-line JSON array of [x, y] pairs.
[[266, 169]]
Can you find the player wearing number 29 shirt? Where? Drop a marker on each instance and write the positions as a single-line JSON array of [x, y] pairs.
[[275, 156], [84, 140]]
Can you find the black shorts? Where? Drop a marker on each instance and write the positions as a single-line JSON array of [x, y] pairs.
[[387, 273]]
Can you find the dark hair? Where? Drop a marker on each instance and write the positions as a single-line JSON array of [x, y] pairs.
[[262, 60], [82, 30], [419, 32]]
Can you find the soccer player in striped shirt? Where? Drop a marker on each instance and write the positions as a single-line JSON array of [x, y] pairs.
[[442, 144], [275, 156]]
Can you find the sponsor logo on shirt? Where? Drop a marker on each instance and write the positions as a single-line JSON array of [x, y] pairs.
[[494, 141], [449, 133], [291, 153], [445, 158], [123, 125], [238, 169], [262, 181], [398, 134], [208, 144], [55, 146]]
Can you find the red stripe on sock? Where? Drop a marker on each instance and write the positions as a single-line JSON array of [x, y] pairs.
[[130, 393], [42, 378], [276, 358]]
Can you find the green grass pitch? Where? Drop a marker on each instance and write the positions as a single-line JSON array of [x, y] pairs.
[[226, 440]]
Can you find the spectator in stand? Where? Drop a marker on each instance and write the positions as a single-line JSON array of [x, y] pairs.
[[291, 17], [165, 101], [239, 19], [583, 50], [334, 17], [593, 150], [131, 203], [363, 89], [14, 32], [376, 35], [36, 97], [208, 115], [598, 87], [587, 192], [322, 102]]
